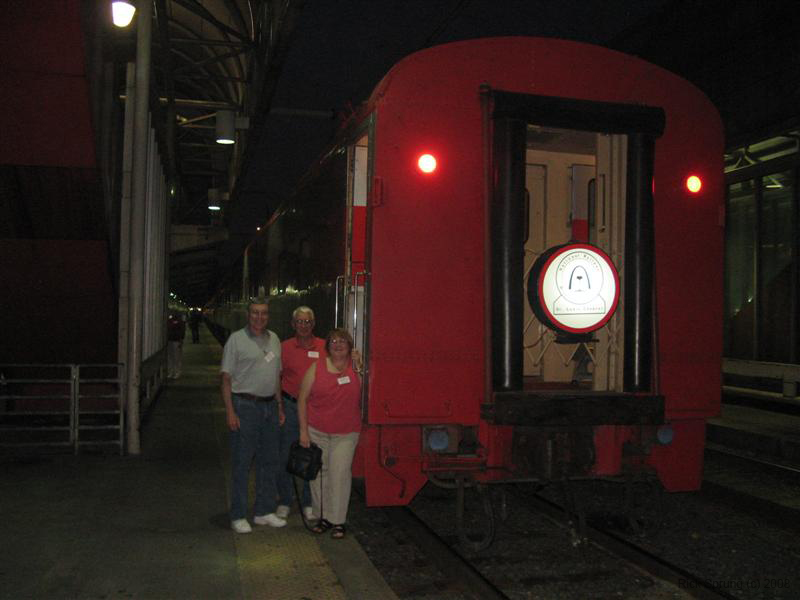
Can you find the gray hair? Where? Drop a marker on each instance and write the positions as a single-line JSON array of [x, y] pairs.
[[259, 300], [302, 309]]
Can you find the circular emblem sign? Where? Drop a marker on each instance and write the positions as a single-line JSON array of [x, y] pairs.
[[574, 288]]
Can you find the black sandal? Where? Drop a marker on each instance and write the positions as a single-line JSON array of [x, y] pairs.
[[338, 531], [322, 526]]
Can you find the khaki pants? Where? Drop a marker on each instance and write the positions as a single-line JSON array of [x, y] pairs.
[[330, 491]]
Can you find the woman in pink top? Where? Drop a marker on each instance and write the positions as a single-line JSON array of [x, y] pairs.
[[329, 412]]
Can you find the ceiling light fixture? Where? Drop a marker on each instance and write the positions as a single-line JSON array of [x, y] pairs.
[[122, 12], [226, 127]]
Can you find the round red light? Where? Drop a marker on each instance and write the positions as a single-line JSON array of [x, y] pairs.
[[426, 163], [694, 183]]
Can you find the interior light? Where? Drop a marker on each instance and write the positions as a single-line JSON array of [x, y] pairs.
[[122, 12], [225, 127], [213, 207], [427, 163], [694, 183]]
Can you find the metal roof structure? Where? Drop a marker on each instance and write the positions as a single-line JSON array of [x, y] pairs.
[[211, 61]]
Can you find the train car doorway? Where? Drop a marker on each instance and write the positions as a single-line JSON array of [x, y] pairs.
[[571, 181], [353, 285], [574, 192]]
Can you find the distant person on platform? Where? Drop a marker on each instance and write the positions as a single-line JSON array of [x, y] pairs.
[[176, 331], [251, 366], [194, 324], [298, 353]]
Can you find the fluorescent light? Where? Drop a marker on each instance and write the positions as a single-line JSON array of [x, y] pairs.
[[226, 127]]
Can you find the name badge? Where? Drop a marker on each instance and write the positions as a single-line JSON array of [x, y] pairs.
[[269, 356], [344, 380], [313, 354]]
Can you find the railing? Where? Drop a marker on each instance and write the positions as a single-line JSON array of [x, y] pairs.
[[752, 375], [61, 406]]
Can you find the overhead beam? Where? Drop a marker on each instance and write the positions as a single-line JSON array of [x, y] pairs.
[[211, 59], [211, 77], [209, 42], [200, 11], [210, 104]]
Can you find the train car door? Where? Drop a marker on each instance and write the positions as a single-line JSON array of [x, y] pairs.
[[582, 173], [353, 285]]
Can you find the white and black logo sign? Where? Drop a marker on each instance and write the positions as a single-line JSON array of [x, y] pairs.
[[574, 288]]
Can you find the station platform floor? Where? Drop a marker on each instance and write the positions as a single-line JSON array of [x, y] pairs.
[[767, 434], [155, 526], [770, 483]]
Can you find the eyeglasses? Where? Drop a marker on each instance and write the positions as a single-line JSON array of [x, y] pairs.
[[338, 341], [304, 321]]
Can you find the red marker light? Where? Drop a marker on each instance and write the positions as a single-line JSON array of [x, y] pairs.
[[426, 163], [694, 183]]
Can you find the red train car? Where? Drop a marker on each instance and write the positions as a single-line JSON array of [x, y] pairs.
[[506, 227]]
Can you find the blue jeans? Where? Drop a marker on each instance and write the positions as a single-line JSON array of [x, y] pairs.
[[290, 431], [257, 438]]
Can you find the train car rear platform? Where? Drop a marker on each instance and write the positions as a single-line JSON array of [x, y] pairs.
[[156, 525]]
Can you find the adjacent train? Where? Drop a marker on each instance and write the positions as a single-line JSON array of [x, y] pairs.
[[525, 237]]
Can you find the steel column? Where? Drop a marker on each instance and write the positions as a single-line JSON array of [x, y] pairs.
[[639, 261], [137, 214], [507, 253]]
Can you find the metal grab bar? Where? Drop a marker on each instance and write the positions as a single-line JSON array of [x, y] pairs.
[[358, 328], [339, 290], [361, 333], [41, 406], [359, 324]]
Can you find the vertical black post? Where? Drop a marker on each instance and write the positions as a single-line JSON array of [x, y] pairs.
[[639, 260], [795, 276], [507, 252]]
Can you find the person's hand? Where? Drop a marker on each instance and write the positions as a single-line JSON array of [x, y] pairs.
[[281, 415], [358, 363], [233, 421], [305, 441]]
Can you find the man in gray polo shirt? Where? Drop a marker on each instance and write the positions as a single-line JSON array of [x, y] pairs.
[[251, 366]]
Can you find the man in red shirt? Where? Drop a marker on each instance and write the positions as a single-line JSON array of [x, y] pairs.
[[298, 353]]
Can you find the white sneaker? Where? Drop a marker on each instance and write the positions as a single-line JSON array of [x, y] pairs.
[[271, 519], [308, 512], [241, 526], [282, 511]]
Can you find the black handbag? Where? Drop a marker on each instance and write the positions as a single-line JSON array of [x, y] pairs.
[[304, 462]]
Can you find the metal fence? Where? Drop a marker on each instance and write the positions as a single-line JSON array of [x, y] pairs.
[[61, 406]]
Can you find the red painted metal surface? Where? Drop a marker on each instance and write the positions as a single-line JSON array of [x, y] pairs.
[[427, 255], [44, 91], [61, 305]]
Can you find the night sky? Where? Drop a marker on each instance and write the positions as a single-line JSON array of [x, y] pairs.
[[341, 50]]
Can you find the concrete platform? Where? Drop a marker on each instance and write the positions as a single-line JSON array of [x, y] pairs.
[[156, 525], [767, 434]]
